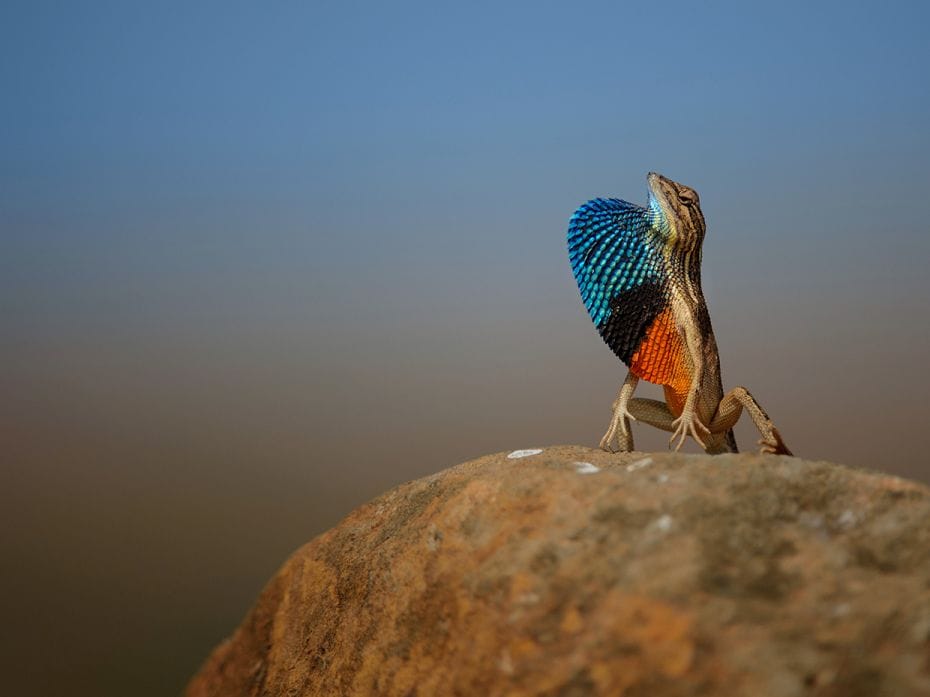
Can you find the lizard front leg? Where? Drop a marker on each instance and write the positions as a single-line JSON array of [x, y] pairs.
[[729, 411], [619, 428], [688, 423]]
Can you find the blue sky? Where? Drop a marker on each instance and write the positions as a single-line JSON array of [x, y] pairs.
[[368, 136]]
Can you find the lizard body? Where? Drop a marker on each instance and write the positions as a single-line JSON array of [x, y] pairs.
[[639, 273]]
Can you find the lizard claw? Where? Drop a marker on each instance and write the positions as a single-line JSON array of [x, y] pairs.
[[772, 444], [688, 425], [618, 426], [607, 442]]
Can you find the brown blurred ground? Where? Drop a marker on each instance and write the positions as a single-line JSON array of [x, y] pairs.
[[153, 481]]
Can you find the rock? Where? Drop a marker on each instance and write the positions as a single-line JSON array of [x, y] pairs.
[[574, 572]]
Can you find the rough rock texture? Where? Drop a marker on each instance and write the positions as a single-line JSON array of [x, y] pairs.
[[658, 574]]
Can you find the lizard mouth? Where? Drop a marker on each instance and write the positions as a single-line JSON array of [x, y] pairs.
[[659, 186], [654, 179]]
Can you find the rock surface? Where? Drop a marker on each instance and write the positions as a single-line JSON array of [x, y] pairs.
[[574, 572]]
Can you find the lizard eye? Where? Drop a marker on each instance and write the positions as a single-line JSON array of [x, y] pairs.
[[687, 197]]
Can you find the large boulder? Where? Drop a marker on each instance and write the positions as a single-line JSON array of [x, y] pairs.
[[574, 572]]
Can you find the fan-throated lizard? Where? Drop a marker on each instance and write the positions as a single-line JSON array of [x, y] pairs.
[[639, 273]]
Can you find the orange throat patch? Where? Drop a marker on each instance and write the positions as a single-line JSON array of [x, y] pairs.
[[662, 359]]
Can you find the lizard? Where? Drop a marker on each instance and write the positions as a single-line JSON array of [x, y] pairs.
[[639, 273]]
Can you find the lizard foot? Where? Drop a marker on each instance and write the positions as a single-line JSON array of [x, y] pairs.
[[772, 444], [688, 424], [618, 430]]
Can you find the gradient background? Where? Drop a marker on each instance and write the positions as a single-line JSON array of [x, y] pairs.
[[260, 262]]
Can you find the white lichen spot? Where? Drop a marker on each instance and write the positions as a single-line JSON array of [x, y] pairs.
[[920, 629], [528, 599], [811, 520], [524, 453], [433, 537], [847, 519], [586, 468], [663, 478], [639, 464], [505, 663], [664, 523]]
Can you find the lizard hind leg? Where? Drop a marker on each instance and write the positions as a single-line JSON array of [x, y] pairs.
[[659, 415], [729, 411], [619, 429]]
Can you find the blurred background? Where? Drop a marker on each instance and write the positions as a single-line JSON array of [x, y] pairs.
[[260, 262]]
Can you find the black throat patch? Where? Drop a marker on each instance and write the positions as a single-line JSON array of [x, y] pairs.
[[632, 312]]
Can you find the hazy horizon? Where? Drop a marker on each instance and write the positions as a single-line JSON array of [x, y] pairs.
[[260, 264]]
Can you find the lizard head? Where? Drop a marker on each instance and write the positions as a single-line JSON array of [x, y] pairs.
[[677, 211]]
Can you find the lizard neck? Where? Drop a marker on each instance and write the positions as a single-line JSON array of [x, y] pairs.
[[683, 265], [690, 311]]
